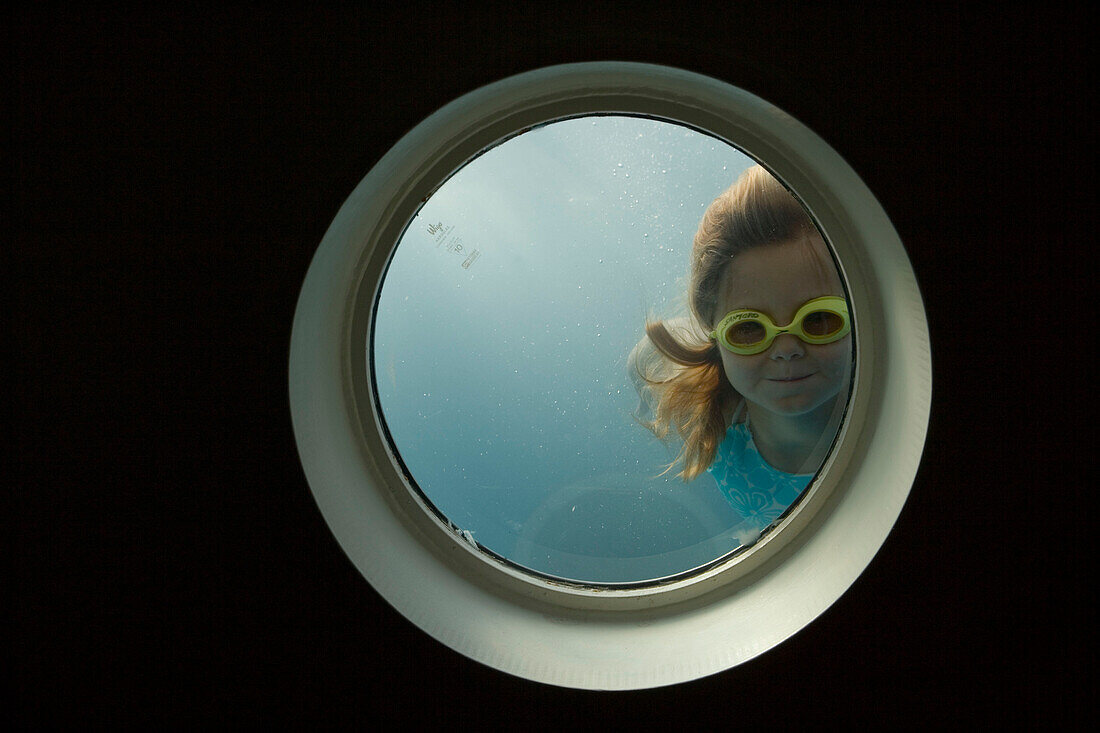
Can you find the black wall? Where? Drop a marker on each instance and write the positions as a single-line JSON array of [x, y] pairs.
[[172, 174]]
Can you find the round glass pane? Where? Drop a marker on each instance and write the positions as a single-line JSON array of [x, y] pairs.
[[509, 349]]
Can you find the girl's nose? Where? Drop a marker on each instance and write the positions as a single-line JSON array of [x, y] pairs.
[[787, 346]]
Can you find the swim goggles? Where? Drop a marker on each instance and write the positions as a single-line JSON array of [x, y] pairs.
[[820, 321]]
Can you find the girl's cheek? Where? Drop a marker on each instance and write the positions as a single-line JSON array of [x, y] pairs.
[[836, 357]]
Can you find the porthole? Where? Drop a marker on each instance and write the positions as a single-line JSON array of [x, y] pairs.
[[470, 404]]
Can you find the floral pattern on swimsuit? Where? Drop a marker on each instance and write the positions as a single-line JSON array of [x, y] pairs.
[[756, 490]]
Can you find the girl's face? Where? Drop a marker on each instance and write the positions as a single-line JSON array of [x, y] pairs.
[[790, 377]]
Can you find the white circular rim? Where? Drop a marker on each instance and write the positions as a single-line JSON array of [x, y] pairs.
[[597, 638]]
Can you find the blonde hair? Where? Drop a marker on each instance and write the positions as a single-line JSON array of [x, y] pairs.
[[694, 398]]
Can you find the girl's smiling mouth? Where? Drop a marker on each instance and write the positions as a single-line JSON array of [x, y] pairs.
[[792, 379]]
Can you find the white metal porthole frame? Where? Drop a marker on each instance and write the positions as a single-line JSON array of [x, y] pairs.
[[572, 634]]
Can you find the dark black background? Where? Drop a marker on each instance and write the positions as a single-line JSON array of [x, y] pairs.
[[172, 174]]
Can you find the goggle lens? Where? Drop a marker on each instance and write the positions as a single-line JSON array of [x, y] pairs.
[[822, 323], [746, 333]]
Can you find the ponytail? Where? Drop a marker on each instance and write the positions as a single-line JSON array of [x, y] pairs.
[[694, 400]]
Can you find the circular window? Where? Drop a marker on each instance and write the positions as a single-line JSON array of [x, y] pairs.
[[610, 376]]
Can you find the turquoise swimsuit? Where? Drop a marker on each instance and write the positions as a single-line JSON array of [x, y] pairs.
[[756, 490]]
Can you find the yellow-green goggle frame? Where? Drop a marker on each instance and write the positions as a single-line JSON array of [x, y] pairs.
[[819, 321]]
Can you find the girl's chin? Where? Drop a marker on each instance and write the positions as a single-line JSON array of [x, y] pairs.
[[799, 405]]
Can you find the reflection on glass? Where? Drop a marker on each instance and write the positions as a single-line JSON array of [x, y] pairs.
[[509, 353]]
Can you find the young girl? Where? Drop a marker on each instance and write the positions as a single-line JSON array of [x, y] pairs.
[[756, 386]]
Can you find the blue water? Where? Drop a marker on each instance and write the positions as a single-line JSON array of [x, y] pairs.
[[503, 329]]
